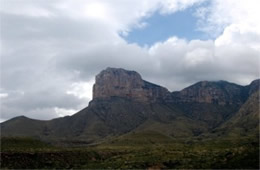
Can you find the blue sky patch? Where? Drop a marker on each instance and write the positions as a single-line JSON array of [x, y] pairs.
[[182, 24]]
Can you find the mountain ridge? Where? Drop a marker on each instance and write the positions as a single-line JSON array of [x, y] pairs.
[[123, 102]]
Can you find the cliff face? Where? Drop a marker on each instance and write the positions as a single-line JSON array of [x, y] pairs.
[[114, 82], [220, 93]]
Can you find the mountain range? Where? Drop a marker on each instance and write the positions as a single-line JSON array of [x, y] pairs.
[[124, 104]]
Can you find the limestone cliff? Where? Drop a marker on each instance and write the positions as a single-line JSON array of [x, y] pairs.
[[118, 82]]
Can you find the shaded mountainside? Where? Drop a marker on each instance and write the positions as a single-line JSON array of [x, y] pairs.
[[245, 122], [123, 103]]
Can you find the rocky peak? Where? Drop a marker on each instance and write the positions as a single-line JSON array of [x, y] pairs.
[[218, 92], [117, 82], [254, 86]]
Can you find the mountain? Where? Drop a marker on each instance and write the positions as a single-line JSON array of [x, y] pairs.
[[211, 102], [246, 121], [124, 103], [126, 84]]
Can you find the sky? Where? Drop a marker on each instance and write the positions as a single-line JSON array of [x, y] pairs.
[[51, 50]]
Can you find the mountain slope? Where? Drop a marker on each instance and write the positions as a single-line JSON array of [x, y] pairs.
[[22, 126], [246, 121], [123, 103]]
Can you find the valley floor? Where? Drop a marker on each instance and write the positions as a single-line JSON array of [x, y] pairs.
[[232, 153]]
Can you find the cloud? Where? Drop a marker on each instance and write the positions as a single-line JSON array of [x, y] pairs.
[[220, 14], [185, 62], [82, 90], [3, 95], [52, 49], [61, 112]]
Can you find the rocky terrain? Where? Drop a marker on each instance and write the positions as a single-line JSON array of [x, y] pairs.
[[123, 102]]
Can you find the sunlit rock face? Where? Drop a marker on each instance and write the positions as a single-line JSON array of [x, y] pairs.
[[117, 82]]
